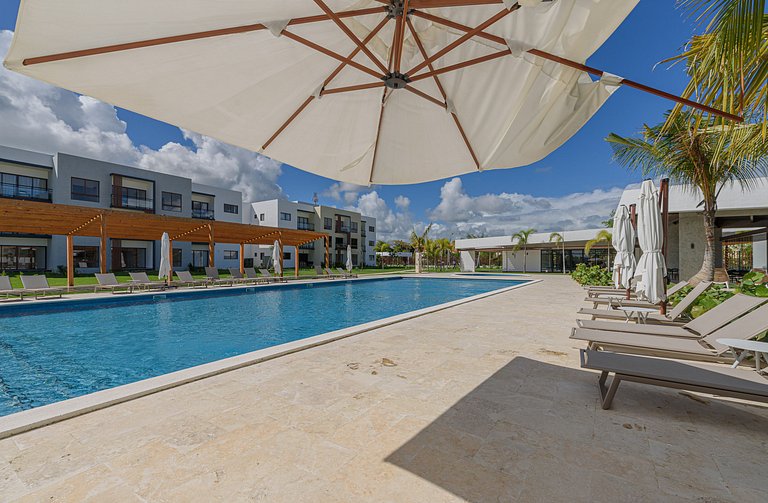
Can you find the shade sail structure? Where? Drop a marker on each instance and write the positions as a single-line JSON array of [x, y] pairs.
[[623, 241], [348, 89], [651, 268]]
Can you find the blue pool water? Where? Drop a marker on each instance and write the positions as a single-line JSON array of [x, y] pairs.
[[53, 352]]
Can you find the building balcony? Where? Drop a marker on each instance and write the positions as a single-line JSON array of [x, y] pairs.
[[305, 226], [342, 228], [203, 214], [124, 198], [14, 191]]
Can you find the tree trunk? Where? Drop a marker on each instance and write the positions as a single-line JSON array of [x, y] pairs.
[[707, 271]]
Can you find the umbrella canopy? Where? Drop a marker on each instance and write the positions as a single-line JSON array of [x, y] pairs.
[[651, 268], [348, 89], [624, 243], [164, 270], [276, 253], [349, 258]]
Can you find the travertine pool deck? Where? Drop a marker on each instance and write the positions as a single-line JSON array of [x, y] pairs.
[[480, 402]]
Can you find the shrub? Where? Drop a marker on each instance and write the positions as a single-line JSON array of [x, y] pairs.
[[594, 275]]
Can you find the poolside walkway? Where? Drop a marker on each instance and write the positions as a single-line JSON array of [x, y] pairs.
[[481, 402]]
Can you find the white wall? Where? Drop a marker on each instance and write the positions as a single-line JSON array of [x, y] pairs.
[[760, 252], [518, 261], [468, 261]]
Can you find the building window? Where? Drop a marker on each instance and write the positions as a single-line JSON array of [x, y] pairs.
[[129, 197], [176, 257], [286, 255], [353, 227], [230, 208], [231, 254], [85, 190], [86, 257], [199, 258], [371, 229], [371, 257], [303, 224], [24, 187], [171, 201], [201, 209], [22, 258], [261, 217], [133, 258], [285, 216], [327, 223], [371, 243], [353, 242]]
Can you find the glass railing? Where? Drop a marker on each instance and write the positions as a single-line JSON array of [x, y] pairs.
[[121, 198], [20, 192], [305, 226], [204, 214]]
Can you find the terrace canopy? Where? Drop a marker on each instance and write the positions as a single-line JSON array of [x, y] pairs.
[[28, 217], [363, 91]]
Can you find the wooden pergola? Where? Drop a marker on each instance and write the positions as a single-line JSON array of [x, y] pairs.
[[29, 217]]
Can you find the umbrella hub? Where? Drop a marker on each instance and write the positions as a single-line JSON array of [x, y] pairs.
[[396, 80], [395, 9]]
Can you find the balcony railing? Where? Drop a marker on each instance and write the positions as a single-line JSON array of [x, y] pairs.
[[122, 199], [305, 226], [204, 214], [342, 227], [32, 193]]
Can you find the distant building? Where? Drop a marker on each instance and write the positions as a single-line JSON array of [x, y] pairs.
[[67, 179], [343, 227], [742, 223]]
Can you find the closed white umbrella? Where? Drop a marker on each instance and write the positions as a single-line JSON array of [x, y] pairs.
[[164, 271], [624, 243], [651, 268], [276, 258], [347, 89], [349, 257]]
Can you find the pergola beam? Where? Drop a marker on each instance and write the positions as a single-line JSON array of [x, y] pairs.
[[189, 36]]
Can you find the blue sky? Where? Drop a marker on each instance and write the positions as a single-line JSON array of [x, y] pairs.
[[654, 31]]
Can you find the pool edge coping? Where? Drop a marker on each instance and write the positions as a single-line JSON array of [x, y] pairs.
[[38, 417]]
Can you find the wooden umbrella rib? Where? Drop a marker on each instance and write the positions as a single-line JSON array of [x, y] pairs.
[[400, 38], [464, 38], [440, 88], [426, 96], [328, 52], [459, 66], [188, 36], [325, 83], [358, 87], [436, 4], [336, 19], [578, 66]]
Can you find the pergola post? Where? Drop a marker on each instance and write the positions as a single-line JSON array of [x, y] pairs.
[[242, 258], [280, 248], [296, 261], [70, 261], [211, 246], [327, 251], [103, 244], [170, 261]]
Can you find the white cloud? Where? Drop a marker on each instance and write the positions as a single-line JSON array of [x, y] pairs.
[[402, 202], [41, 117], [504, 214], [389, 224], [344, 191]]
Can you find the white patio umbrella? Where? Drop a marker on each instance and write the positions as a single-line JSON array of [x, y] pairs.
[[624, 243], [164, 271], [651, 268], [276, 258], [349, 258], [348, 89]]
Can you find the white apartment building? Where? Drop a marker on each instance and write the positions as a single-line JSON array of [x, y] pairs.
[[742, 226], [67, 179], [344, 228]]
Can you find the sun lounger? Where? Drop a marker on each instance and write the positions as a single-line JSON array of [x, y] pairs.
[[108, 281], [186, 279], [717, 380], [213, 277], [705, 348], [705, 324], [7, 289], [141, 280], [673, 316], [331, 274], [269, 277], [238, 277], [251, 274], [346, 274], [609, 289], [38, 286]]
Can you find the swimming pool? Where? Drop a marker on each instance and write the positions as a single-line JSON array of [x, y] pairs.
[[54, 351]]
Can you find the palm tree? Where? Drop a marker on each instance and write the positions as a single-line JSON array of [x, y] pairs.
[[522, 242], [558, 239], [689, 150], [419, 243], [600, 237]]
